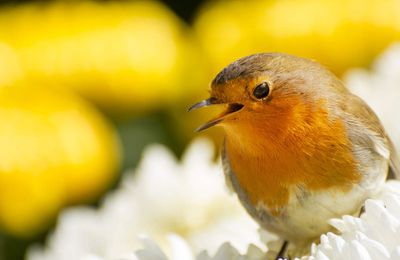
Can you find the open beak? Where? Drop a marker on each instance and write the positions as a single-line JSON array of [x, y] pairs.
[[231, 108]]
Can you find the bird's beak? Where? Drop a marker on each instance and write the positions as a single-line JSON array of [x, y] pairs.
[[231, 108], [205, 103]]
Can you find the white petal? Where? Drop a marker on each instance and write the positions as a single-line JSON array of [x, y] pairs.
[[375, 249], [203, 255], [151, 251], [395, 254], [321, 256], [180, 249], [255, 253], [226, 251], [358, 251], [392, 203], [339, 224], [336, 242]]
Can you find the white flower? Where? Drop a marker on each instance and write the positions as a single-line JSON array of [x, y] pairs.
[[375, 235], [164, 196], [380, 88], [180, 250]]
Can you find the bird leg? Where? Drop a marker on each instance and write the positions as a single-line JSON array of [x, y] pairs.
[[282, 251], [362, 210]]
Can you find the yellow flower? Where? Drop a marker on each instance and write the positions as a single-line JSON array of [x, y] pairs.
[[339, 33], [124, 56], [55, 150], [10, 70]]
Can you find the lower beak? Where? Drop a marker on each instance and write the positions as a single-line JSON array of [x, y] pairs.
[[231, 108]]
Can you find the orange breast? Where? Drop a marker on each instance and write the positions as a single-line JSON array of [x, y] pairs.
[[301, 147]]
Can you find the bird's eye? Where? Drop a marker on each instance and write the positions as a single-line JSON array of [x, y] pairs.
[[261, 91]]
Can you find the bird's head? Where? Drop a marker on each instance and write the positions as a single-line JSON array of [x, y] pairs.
[[270, 91]]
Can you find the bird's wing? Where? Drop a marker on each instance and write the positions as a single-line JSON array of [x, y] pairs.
[[370, 141]]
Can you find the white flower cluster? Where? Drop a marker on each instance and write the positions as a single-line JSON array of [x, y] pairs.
[[375, 235], [163, 196], [182, 251]]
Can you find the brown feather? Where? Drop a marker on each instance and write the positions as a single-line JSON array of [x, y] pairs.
[[394, 166]]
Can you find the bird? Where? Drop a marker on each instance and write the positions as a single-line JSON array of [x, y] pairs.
[[299, 147]]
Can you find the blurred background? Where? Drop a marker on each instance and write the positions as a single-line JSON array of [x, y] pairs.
[[86, 85]]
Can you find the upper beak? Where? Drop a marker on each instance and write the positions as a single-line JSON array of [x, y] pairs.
[[205, 103], [232, 107]]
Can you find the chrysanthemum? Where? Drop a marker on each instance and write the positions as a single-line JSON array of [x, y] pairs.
[[164, 196], [375, 235]]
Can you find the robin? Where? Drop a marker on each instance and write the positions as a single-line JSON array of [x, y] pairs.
[[299, 148]]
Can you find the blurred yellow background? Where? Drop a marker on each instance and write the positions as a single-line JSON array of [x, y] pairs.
[[85, 85]]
